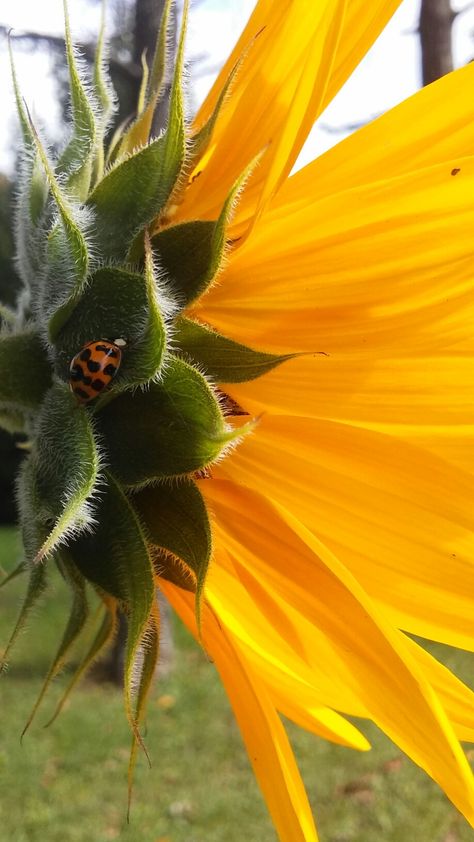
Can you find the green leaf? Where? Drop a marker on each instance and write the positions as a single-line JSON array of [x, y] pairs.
[[77, 158], [176, 520], [116, 558], [66, 464], [77, 619], [174, 427], [223, 359], [192, 253], [139, 131], [117, 305], [130, 195], [100, 641], [25, 371]]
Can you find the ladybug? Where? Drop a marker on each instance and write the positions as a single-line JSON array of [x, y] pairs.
[[94, 368]]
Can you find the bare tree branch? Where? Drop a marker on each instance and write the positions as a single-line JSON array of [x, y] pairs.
[[131, 72]]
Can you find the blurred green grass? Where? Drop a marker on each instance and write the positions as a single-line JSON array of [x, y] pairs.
[[68, 783]]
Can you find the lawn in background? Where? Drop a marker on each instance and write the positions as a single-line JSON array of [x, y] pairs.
[[68, 783]]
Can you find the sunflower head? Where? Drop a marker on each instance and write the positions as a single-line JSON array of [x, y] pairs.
[[115, 390], [345, 522]]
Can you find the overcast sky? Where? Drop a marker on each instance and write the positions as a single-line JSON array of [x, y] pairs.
[[388, 74]]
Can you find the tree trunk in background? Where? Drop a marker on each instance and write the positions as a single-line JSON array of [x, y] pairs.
[[148, 15], [436, 21]]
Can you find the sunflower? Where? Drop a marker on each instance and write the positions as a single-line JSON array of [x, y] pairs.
[[294, 389]]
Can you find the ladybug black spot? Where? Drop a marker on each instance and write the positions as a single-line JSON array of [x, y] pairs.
[[105, 349], [93, 366], [85, 354], [76, 373], [110, 369], [98, 385]]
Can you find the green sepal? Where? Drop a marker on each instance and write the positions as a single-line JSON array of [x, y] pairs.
[[17, 571], [25, 371], [100, 641], [199, 142], [186, 253], [148, 655], [67, 254], [74, 245], [176, 520], [117, 305], [36, 586], [141, 97], [138, 132], [77, 619], [116, 559], [130, 195], [12, 422], [175, 427], [221, 358], [33, 193], [76, 160], [105, 96], [63, 287], [8, 316], [32, 519], [175, 135], [66, 465], [191, 253], [173, 570]]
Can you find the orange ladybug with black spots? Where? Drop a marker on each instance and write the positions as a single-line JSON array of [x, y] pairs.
[[94, 367]]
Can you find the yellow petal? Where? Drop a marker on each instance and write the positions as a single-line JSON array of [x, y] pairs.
[[426, 400], [397, 516], [265, 738], [303, 54], [297, 689], [270, 639], [386, 267], [435, 390], [433, 126], [377, 665], [456, 698]]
